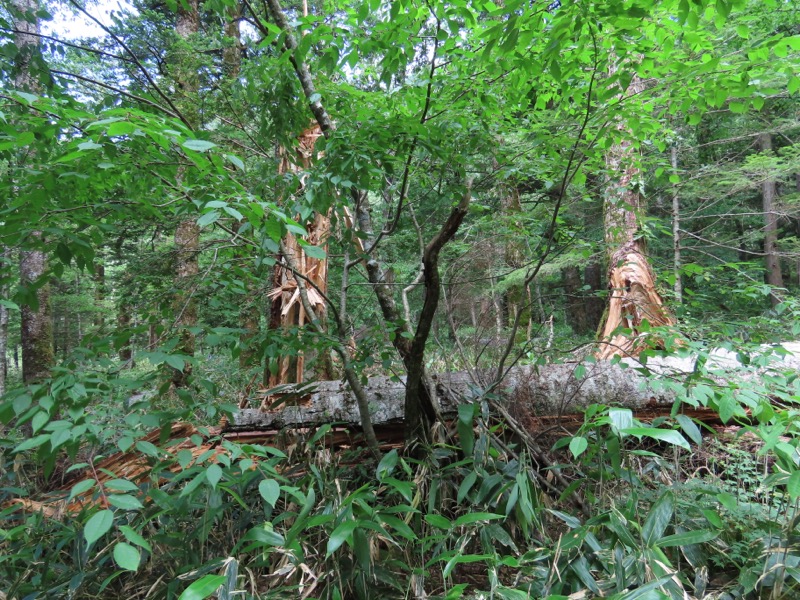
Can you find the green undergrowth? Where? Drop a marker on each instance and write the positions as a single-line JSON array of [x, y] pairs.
[[470, 521]]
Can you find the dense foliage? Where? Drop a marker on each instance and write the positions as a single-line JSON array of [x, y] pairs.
[[154, 176]]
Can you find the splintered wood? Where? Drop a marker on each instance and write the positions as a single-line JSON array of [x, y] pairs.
[[286, 310]]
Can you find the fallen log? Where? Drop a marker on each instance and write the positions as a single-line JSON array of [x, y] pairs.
[[540, 391], [539, 398]]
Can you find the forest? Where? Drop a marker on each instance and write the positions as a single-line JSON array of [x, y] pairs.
[[400, 299]]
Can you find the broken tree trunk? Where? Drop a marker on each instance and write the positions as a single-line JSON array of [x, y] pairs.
[[633, 297], [286, 310]]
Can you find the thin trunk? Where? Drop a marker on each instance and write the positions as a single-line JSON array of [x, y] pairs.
[[497, 302], [676, 231], [124, 324], [575, 305], [593, 277], [232, 51], [99, 294], [187, 233], [768, 195], [633, 297], [5, 259]]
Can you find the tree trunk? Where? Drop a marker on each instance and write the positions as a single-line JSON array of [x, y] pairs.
[[124, 323], [187, 233], [286, 310], [531, 391], [232, 51], [5, 259], [99, 293], [37, 324], [633, 296], [676, 231], [593, 277], [575, 305], [768, 194]]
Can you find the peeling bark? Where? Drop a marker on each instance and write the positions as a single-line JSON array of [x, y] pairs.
[[286, 309], [633, 296]]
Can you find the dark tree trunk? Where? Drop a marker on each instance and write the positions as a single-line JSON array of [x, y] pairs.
[[576, 306], [187, 233], [768, 195], [593, 277], [99, 294], [5, 260]]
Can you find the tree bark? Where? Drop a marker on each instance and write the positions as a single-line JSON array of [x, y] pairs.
[[676, 231], [633, 296], [37, 325], [286, 308], [5, 260], [768, 195], [575, 305], [550, 390], [187, 233]]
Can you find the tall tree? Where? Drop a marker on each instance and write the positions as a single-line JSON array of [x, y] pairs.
[[768, 195], [634, 298], [187, 233], [37, 326]]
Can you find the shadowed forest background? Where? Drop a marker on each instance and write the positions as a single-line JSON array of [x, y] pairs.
[[400, 299]]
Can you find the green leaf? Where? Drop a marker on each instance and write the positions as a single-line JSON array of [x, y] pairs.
[[126, 556], [125, 502], [438, 521], [121, 485], [621, 418], [148, 448], [340, 535], [475, 518], [687, 538], [793, 485], [658, 518], [81, 488], [134, 538], [387, 464], [270, 491], [690, 429], [235, 161], [214, 474], [208, 218], [97, 526], [314, 252], [198, 145], [578, 446], [176, 362], [466, 486], [39, 420], [670, 436], [202, 588], [33, 442]]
